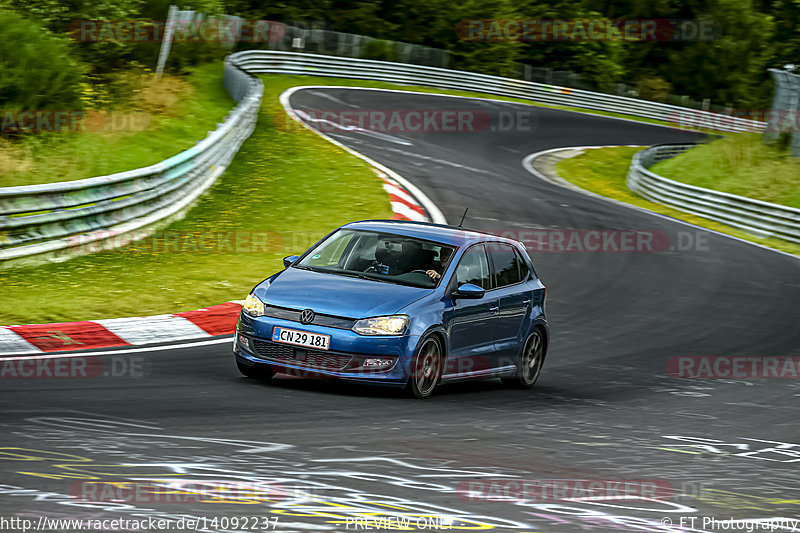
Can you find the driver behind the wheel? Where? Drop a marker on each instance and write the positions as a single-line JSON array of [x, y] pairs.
[[436, 269], [411, 257]]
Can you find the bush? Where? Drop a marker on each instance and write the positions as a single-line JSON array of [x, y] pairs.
[[38, 70], [654, 88], [380, 49]]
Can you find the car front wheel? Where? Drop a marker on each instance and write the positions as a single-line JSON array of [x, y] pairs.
[[530, 362], [426, 368]]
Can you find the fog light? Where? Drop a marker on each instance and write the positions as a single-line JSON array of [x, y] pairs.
[[378, 363], [244, 341]]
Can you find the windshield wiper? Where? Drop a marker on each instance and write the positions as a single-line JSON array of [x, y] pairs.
[[365, 276], [359, 275]]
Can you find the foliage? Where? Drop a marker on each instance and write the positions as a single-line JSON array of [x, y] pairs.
[[37, 68], [729, 67]]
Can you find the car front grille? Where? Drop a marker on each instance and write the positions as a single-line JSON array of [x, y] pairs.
[[319, 320], [273, 350], [301, 356]]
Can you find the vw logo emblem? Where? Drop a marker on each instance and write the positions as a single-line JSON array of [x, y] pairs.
[[307, 316]]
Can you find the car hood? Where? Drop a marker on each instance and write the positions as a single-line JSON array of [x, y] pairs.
[[330, 294]]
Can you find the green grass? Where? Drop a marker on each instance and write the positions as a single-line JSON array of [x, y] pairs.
[[739, 164], [286, 182], [604, 171], [71, 155], [65, 156]]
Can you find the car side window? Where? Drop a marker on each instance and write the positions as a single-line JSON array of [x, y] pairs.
[[474, 268], [507, 264]]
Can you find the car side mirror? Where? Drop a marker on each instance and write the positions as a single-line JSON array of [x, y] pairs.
[[289, 260], [469, 291]]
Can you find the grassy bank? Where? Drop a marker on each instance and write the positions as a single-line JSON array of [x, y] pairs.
[[604, 171], [161, 119], [286, 188], [739, 164]]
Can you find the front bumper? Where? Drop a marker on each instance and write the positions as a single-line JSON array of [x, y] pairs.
[[343, 360]]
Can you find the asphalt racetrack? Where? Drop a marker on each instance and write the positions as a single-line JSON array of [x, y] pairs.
[[317, 455]]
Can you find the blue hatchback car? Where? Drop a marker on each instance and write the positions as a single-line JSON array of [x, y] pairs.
[[398, 303]]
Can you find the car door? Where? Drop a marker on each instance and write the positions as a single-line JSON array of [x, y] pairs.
[[472, 326], [510, 275]]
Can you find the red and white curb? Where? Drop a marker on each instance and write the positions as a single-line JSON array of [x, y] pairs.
[[417, 197], [91, 334], [404, 205], [136, 331]]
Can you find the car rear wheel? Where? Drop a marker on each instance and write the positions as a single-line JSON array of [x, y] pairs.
[[530, 362], [426, 368], [255, 371]]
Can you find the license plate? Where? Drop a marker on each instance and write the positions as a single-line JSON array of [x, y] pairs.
[[301, 338]]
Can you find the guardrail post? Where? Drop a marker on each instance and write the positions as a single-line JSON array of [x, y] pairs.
[[785, 108]]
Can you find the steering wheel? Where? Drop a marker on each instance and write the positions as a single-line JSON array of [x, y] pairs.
[[373, 267]]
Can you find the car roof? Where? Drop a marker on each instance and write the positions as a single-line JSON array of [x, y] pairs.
[[441, 233]]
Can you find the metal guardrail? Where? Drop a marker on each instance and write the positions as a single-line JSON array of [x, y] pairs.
[[754, 216], [49, 218], [279, 62], [52, 217]]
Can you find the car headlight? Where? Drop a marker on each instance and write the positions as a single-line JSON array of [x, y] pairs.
[[382, 325], [253, 306]]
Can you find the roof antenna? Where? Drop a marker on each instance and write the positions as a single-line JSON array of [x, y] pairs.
[[463, 217]]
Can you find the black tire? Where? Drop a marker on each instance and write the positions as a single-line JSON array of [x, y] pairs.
[[426, 368], [529, 364], [255, 371]]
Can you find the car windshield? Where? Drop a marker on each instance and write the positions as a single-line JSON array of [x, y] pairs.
[[381, 257]]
